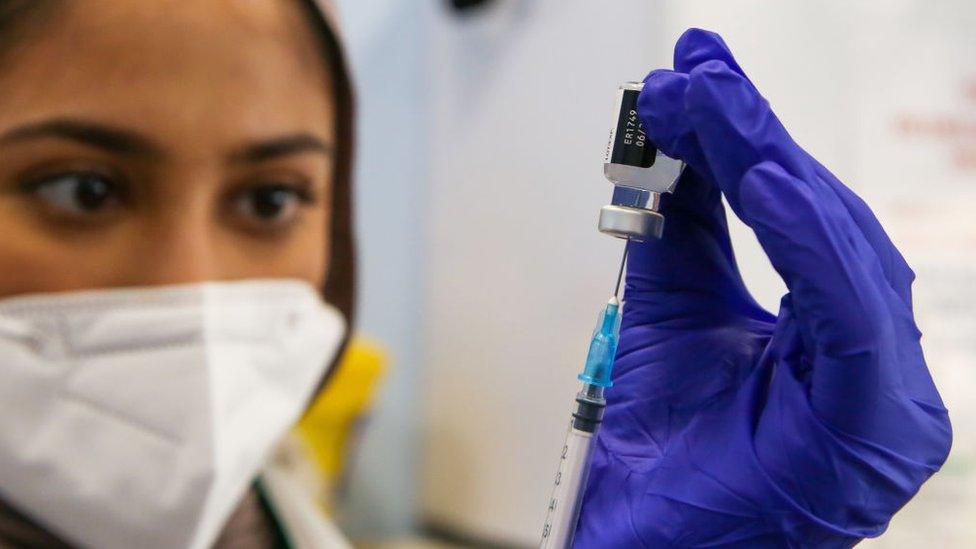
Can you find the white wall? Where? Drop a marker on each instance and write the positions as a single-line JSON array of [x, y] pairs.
[[388, 49], [516, 269]]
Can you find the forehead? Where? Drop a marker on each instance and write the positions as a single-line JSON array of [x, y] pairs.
[[213, 69]]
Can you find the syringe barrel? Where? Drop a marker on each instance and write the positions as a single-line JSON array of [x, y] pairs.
[[562, 514]]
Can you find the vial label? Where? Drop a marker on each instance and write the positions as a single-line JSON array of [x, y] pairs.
[[628, 142]]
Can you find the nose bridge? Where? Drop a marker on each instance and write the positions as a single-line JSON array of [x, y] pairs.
[[176, 244]]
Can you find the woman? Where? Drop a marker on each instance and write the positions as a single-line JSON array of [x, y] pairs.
[[164, 144], [175, 180]]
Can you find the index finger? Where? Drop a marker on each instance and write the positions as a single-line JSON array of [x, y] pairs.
[[696, 47], [737, 128]]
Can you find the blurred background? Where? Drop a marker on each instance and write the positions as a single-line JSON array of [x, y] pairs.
[[483, 126]]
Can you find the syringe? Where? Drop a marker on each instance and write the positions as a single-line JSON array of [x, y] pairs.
[[639, 173], [574, 463]]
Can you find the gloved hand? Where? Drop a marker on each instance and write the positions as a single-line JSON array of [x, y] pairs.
[[728, 426]]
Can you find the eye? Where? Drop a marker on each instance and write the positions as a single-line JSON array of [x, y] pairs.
[[77, 194], [271, 205]]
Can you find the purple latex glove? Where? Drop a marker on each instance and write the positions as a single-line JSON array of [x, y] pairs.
[[728, 426]]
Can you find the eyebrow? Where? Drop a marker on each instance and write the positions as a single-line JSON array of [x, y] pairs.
[[281, 146], [93, 134], [126, 142]]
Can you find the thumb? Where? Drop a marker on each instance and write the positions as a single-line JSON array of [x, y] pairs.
[[690, 272]]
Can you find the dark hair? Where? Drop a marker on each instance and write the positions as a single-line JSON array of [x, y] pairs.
[[15, 16], [12, 10], [340, 287]]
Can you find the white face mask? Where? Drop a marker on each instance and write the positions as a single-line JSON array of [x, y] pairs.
[[139, 417]]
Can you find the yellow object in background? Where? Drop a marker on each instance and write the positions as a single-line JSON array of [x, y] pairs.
[[331, 427]]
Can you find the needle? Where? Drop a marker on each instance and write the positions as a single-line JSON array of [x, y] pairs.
[[620, 274]]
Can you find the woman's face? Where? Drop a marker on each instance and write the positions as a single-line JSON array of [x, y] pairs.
[[173, 141]]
